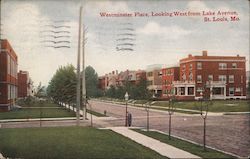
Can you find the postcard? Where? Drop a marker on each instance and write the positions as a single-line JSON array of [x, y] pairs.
[[131, 78]]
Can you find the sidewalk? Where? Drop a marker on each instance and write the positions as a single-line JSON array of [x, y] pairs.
[[162, 148], [1, 156]]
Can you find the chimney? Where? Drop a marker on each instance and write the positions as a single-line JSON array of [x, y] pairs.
[[189, 55], [204, 53], [113, 72], [238, 55], [117, 72]]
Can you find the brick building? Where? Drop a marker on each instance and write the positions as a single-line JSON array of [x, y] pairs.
[[140, 75], [153, 76], [119, 79], [214, 77], [8, 76], [24, 84], [102, 82], [169, 75]]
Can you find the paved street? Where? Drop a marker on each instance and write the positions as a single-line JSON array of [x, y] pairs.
[[225, 132]]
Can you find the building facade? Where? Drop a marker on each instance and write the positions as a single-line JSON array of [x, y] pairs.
[[214, 77], [8, 76], [169, 75], [153, 76], [140, 75], [25, 85]]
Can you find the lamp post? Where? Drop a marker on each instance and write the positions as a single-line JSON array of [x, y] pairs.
[[126, 115]]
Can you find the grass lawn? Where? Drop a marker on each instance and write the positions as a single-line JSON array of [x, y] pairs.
[[37, 104], [184, 145], [96, 113], [69, 142], [26, 113], [217, 105], [179, 111]]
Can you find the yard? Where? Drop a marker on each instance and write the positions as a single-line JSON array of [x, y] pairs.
[[216, 105], [27, 113], [37, 110], [69, 142], [184, 145]]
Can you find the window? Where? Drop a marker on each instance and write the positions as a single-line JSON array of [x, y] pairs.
[[169, 72], [183, 67], [241, 79], [199, 65], [199, 79], [190, 66], [222, 66], [199, 89], [8, 64], [184, 76], [210, 77], [182, 91], [9, 93], [231, 78], [190, 90], [234, 65], [222, 78], [167, 82], [150, 74], [150, 82], [191, 76], [231, 91], [237, 89]]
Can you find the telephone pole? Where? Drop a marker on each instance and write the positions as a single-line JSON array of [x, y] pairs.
[[84, 99], [78, 87]]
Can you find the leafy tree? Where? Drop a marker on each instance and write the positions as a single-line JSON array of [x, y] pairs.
[[111, 92], [135, 91], [91, 82], [62, 86]]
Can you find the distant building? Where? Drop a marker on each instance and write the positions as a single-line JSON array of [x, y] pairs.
[[108, 80], [153, 76], [126, 76], [25, 85], [140, 75], [169, 75], [248, 78], [102, 82], [215, 77], [8, 76], [119, 79], [247, 84]]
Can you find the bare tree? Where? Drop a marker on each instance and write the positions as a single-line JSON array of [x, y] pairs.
[[171, 109]]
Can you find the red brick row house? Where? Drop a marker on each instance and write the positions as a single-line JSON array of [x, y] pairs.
[[8, 76], [214, 77], [25, 84], [119, 79]]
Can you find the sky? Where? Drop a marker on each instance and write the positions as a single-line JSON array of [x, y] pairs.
[[155, 39]]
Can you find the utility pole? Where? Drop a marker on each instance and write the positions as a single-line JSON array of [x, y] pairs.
[[78, 86], [84, 99]]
